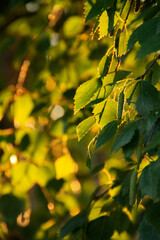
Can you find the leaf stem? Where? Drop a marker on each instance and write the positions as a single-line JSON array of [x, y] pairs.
[[143, 75]]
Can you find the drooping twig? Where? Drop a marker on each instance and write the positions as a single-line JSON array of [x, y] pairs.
[[143, 75]]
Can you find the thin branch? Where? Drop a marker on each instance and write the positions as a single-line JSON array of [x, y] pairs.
[[143, 75], [152, 131], [125, 21]]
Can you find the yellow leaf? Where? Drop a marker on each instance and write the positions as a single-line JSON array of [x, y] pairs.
[[22, 108], [64, 166], [103, 25]]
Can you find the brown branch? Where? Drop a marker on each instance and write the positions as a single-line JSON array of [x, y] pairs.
[[143, 75], [125, 21]]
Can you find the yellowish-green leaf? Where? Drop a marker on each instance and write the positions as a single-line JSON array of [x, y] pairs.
[[86, 92], [104, 64], [22, 108], [23, 176], [70, 166], [44, 174], [72, 26], [84, 127], [105, 112], [123, 41], [103, 25]]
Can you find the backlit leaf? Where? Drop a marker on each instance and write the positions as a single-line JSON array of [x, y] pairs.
[[97, 8], [84, 127], [22, 108], [85, 93], [103, 25], [105, 112], [104, 64]]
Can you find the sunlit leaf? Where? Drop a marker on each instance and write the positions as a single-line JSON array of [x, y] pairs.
[[96, 8], [68, 162], [72, 26], [24, 176], [103, 28], [23, 106], [84, 127], [105, 112], [104, 64], [86, 92]]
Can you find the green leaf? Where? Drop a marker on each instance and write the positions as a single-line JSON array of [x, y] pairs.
[[120, 219], [96, 8], [24, 175], [106, 133], [100, 229], [84, 127], [86, 92], [21, 113], [105, 112], [112, 16], [11, 207], [104, 64], [97, 168], [130, 147], [73, 224], [54, 185], [153, 76], [123, 40], [152, 215], [103, 28], [125, 135], [120, 75], [72, 26], [148, 98], [150, 46], [155, 141], [147, 231], [149, 179], [147, 35]]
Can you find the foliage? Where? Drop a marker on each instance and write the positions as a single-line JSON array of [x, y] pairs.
[[46, 53]]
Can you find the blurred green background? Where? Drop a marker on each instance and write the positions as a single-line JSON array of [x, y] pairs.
[[46, 52]]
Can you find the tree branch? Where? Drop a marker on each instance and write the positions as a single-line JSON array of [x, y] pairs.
[[128, 14], [143, 75]]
